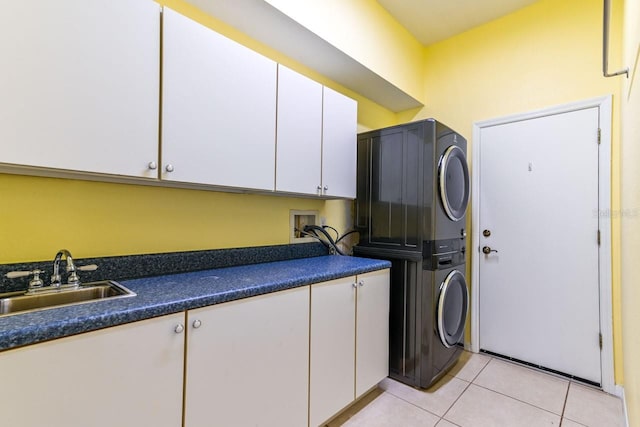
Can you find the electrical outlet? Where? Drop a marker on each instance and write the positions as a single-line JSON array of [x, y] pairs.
[[297, 221]]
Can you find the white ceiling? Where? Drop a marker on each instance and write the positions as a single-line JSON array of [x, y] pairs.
[[433, 20]]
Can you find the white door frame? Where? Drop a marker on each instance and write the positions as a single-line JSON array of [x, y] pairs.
[[604, 104]]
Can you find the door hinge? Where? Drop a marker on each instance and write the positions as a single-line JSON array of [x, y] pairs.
[[598, 237], [600, 340], [599, 136]]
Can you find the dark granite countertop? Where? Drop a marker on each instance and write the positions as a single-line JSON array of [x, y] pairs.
[[161, 295]]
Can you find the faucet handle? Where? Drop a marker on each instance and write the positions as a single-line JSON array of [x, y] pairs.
[[35, 283], [73, 278], [16, 274]]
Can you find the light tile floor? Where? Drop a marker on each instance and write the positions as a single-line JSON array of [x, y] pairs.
[[482, 391]]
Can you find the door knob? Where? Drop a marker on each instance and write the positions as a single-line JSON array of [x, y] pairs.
[[487, 250]]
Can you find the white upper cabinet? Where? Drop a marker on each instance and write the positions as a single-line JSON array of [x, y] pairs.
[[79, 86], [81, 91], [316, 145], [339, 130], [218, 108], [299, 146]]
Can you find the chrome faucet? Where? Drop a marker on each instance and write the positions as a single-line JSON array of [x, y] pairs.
[[73, 278], [36, 285]]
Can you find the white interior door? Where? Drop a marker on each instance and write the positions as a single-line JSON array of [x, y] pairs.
[[539, 290]]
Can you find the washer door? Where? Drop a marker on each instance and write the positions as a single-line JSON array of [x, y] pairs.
[[453, 303], [453, 178]]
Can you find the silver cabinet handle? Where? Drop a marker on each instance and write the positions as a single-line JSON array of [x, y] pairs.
[[179, 328], [326, 188], [169, 168], [152, 165], [361, 283], [355, 285], [197, 323]]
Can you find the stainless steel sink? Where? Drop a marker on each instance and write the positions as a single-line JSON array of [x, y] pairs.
[[19, 302]]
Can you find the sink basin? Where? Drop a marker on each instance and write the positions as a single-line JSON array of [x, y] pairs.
[[18, 302]]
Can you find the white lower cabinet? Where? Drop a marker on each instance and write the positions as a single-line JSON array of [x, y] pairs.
[[372, 330], [247, 362], [289, 358], [128, 375], [349, 348]]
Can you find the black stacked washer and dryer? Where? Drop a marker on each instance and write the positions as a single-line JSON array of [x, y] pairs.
[[412, 195]]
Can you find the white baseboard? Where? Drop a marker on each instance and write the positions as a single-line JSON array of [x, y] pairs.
[[619, 391]]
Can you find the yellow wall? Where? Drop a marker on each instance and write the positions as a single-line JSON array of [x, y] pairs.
[[630, 153], [543, 55], [41, 215], [38, 216]]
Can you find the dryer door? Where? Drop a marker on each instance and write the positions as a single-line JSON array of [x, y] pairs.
[[453, 180], [453, 302]]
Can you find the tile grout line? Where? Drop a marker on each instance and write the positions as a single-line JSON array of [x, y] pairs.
[[483, 368], [456, 401], [465, 389], [424, 409], [565, 406], [450, 422], [566, 397], [518, 400], [410, 403], [522, 401]]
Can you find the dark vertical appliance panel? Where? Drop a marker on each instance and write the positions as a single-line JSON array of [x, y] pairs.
[[363, 184], [404, 337]]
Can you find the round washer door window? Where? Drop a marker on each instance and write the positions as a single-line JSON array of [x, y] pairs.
[[453, 303], [453, 177]]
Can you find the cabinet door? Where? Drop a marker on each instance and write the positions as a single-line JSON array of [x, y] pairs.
[[127, 375], [80, 85], [372, 330], [299, 149], [332, 348], [218, 108], [339, 133], [248, 362]]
